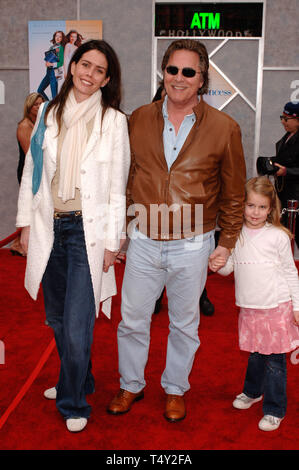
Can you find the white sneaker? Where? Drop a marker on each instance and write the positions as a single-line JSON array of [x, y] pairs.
[[269, 423], [76, 424], [243, 402], [50, 393]]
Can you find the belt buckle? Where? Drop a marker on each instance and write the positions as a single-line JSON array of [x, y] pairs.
[[61, 215]]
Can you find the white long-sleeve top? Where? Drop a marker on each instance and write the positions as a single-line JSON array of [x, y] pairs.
[[264, 269]]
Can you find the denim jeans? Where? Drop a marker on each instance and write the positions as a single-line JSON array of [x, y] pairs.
[[181, 266], [70, 311], [267, 375], [49, 79]]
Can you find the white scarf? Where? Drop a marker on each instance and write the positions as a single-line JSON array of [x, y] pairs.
[[75, 117]]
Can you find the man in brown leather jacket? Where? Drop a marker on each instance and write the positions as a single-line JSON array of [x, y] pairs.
[[187, 173]]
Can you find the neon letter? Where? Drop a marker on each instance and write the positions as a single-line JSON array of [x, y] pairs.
[[195, 21], [214, 21], [204, 16]]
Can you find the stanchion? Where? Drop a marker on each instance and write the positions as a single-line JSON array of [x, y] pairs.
[[292, 211]]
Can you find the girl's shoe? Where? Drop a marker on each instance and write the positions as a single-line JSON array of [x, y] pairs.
[[50, 393], [76, 424], [269, 423], [243, 402]]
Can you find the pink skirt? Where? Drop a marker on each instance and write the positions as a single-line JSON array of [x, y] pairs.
[[269, 331]]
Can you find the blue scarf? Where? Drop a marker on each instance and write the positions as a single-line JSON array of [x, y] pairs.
[[37, 151]]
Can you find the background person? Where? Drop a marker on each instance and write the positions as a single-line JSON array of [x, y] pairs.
[[187, 153], [267, 292], [73, 215], [24, 130], [287, 151]]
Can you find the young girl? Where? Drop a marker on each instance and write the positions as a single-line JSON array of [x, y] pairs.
[[267, 292]]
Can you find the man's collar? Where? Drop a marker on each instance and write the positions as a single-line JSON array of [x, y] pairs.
[[165, 108]]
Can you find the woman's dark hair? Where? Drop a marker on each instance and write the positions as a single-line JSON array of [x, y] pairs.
[[111, 93], [194, 46]]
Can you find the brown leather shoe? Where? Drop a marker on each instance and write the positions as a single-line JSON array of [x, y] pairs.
[[123, 401], [175, 408]]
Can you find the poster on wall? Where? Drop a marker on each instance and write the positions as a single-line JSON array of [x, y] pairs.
[[51, 46], [220, 91]]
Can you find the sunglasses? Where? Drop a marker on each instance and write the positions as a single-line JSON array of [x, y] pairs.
[[186, 71], [286, 119]]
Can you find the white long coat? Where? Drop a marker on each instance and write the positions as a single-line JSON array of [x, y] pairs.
[[104, 172]]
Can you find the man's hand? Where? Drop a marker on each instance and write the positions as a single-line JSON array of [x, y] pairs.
[[121, 254], [218, 258]]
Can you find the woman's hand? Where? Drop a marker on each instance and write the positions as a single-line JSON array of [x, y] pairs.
[[282, 170], [24, 238], [109, 259]]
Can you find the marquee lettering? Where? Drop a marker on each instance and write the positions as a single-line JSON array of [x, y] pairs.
[[205, 21]]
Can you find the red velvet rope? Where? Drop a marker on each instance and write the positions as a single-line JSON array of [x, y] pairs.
[[10, 238]]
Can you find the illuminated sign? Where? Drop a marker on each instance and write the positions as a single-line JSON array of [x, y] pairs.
[[209, 19], [205, 20]]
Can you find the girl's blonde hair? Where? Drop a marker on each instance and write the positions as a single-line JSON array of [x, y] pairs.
[[262, 185], [29, 102]]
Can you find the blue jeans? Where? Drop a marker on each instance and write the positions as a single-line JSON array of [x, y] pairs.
[[49, 79], [70, 311], [267, 375], [181, 266]]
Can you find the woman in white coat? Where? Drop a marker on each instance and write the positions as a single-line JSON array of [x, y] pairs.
[[71, 209]]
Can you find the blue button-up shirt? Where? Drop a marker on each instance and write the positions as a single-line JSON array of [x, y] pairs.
[[172, 142]]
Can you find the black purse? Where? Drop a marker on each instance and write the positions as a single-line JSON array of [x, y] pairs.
[[265, 165]]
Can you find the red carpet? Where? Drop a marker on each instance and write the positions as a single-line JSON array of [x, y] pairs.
[[30, 422]]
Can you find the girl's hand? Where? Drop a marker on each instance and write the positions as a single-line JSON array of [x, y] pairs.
[[218, 258], [109, 259], [296, 317], [24, 238], [217, 263]]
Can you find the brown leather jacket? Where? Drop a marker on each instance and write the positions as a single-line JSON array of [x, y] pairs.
[[209, 174]]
